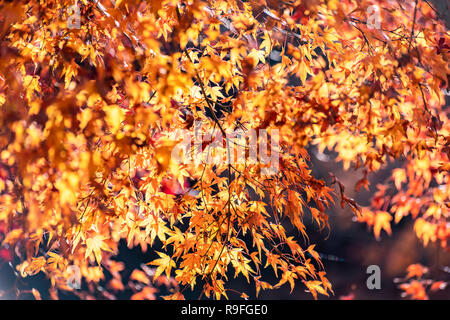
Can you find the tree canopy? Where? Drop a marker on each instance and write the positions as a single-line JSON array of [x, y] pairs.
[[96, 95]]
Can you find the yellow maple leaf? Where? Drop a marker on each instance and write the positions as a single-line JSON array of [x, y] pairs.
[[96, 245], [164, 264], [382, 221]]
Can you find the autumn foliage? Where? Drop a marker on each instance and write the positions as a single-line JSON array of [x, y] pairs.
[[89, 117]]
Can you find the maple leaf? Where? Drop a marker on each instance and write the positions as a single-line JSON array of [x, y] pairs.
[[257, 56], [56, 261], [96, 244], [36, 294], [148, 293], [416, 270], [438, 285], [140, 276], [315, 287], [414, 289], [174, 296], [164, 264], [382, 221]]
